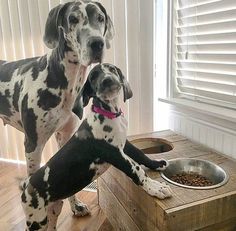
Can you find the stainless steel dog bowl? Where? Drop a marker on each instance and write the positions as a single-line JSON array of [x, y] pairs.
[[202, 167]]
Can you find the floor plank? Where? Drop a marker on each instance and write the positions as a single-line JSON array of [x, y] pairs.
[[12, 216]]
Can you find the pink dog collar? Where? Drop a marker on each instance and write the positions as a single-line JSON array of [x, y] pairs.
[[108, 114]]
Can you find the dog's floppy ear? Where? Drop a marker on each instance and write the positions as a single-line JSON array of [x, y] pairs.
[[78, 106], [82, 99], [53, 23], [109, 28], [109, 33], [126, 87]]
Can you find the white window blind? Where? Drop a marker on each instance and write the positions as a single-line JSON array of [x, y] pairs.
[[205, 48], [21, 31]]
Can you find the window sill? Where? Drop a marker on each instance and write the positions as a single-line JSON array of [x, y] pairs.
[[210, 110]]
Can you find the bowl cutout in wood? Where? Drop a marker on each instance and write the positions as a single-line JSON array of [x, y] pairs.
[[152, 145]]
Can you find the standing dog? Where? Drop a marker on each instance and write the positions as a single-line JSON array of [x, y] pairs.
[[99, 142], [37, 94]]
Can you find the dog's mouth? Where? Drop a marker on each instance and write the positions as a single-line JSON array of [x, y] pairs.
[[109, 93]]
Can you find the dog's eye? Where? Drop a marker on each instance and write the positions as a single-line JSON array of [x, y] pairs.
[[101, 18], [73, 19], [112, 70]]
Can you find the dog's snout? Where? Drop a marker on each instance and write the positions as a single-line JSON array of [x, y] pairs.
[[97, 45], [107, 82]]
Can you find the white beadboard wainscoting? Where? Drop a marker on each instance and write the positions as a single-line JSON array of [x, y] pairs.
[[213, 135]]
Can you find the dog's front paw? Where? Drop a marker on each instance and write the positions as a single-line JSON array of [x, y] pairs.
[[157, 189], [160, 164], [80, 209]]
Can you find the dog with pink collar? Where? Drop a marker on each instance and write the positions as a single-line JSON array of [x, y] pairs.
[[99, 142]]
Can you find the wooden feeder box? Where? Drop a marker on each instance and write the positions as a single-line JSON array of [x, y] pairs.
[[129, 208]]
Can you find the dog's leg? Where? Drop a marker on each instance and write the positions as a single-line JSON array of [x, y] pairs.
[[137, 155], [54, 210], [35, 209], [68, 130], [78, 207], [62, 136], [123, 162], [33, 159]]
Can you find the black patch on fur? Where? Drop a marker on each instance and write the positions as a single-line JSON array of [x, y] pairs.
[[29, 123], [95, 118], [47, 100], [16, 96], [7, 69], [34, 200], [5, 107], [137, 168], [26, 67], [34, 226], [94, 75], [42, 63], [91, 11], [44, 222], [110, 140], [79, 208], [7, 93], [101, 118], [56, 77], [23, 197], [107, 128]]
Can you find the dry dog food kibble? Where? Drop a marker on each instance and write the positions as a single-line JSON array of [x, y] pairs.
[[191, 179]]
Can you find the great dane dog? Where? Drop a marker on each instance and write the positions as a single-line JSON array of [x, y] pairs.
[[99, 142], [37, 94]]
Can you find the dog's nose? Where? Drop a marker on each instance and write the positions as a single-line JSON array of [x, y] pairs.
[[107, 82], [97, 45]]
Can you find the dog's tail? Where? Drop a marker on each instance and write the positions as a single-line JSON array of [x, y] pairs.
[[22, 182]]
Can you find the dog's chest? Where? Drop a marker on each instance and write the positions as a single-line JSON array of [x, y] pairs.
[[114, 131]]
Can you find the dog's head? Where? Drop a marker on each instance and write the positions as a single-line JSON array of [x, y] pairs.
[[84, 26], [105, 82]]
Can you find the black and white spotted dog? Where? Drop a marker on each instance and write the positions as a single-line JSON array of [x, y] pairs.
[[99, 142], [37, 94]]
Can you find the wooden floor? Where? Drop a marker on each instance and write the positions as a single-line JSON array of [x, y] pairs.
[[11, 212]]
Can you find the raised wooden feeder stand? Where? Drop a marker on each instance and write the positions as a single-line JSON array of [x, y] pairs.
[[129, 208]]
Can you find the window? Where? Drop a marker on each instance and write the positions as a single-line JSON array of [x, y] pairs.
[[204, 51]]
